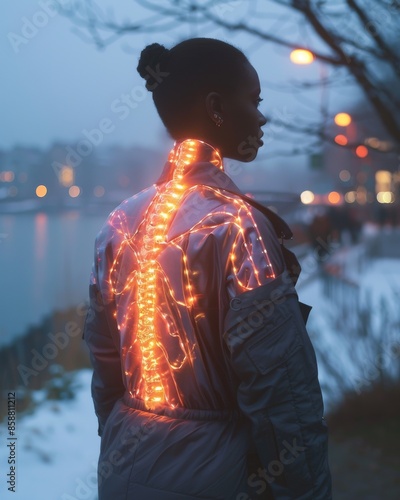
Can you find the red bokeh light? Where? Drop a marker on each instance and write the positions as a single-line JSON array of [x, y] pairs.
[[361, 151], [341, 140]]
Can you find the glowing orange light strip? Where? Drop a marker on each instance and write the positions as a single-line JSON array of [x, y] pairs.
[[146, 242], [155, 230]]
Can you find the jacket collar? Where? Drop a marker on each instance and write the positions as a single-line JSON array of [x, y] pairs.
[[205, 167], [190, 152]]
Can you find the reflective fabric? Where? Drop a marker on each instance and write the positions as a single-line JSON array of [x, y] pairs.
[[215, 246], [170, 262]]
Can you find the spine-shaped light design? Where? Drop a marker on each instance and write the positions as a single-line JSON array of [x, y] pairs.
[[155, 229]]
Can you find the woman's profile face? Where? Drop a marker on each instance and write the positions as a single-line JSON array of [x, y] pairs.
[[240, 133]]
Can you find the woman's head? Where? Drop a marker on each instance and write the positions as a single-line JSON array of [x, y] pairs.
[[206, 89]]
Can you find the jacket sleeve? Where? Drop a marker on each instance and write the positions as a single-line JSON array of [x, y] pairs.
[[279, 392], [255, 257], [101, 337]]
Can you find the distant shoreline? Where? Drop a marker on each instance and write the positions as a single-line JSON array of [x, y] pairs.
[[26, 362], [37, 206]]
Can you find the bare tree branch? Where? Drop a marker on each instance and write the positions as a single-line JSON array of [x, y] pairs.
[[361, 50], [356, 67], [368, 23]]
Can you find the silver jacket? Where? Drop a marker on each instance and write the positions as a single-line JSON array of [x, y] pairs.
[[199, 347]]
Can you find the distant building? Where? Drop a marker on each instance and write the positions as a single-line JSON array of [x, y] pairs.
[[62, 176]]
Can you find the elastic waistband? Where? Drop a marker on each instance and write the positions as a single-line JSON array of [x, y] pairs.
[[182, 413]]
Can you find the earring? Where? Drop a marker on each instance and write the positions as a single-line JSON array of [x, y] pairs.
[[218, 120]]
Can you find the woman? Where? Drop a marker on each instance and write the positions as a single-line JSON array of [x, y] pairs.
[[205, 382]]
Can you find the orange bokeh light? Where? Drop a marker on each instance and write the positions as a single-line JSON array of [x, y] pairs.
[[334, 197], [41, 191], [341, 140], [361, 151]]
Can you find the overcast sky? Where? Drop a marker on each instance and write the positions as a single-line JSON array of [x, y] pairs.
[[56, 86]]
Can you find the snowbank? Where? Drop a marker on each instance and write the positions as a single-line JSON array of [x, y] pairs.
[[57, 449]]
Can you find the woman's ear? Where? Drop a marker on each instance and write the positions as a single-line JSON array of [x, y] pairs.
[[214, 108]]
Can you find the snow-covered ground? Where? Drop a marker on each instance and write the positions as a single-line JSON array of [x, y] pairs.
[[58, 445], [57, 449], [348, 358]]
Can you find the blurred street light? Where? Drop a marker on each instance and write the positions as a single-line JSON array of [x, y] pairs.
[[74, 191], [301, 56], [383, 180], [305, 57], [341, 140], [350, 196], [361, 151], [334, 197], [385, 197], [66, 176], [41, 191], [342, 119], [307, 197]]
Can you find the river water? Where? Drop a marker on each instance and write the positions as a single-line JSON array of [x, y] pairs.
[[45, 264]]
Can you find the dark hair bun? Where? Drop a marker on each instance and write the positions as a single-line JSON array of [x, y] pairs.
[[150, 57]]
